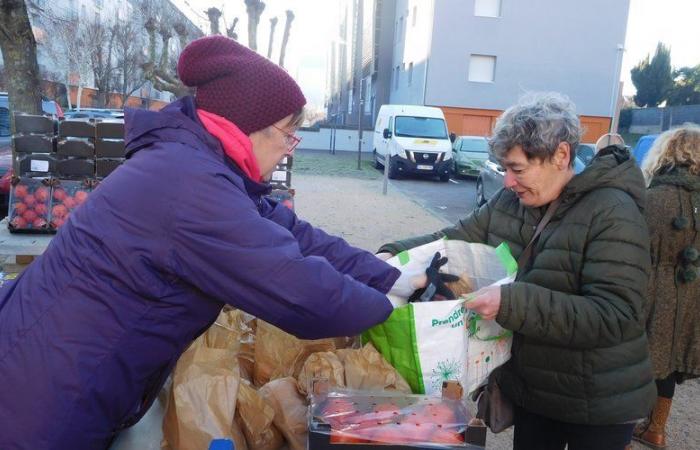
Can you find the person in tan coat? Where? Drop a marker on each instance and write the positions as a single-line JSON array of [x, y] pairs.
[[672, 172]]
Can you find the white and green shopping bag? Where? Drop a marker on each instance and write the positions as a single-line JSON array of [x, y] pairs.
[[430, 342]]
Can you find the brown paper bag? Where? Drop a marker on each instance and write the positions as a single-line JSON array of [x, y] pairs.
[[324, 365], [366, 369], [279, 354], [290, 411], [254, 415], [461, 287], [202, 399], [241, 327]]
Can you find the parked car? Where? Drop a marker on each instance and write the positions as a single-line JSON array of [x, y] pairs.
[[50, 108], [95, 113], [469, 153], [412, 139], [585, 152], [642, 148], [490, 178]]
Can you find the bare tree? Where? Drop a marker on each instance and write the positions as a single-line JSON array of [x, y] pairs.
[[129, 58], [214, 15], [254, 9], [67, 48], [18, 47], [231, 32], [285, 37], [159, 24], [273, 24], [99, 38]]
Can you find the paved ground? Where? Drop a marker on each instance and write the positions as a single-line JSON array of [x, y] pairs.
[[334, 195]]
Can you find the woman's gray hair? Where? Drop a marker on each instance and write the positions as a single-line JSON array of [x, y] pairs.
[[538, 123]]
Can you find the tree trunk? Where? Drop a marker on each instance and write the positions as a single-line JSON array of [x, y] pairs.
[[254, 8], [273, 24], [80, 95], [214, 15], [19, 55], [285, 37]]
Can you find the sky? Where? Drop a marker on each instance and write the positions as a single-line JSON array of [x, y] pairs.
[[673, 22]]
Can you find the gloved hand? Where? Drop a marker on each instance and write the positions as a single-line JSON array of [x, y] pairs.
[[435, 282]]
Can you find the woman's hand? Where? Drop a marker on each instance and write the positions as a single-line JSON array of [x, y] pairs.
[[486, 302]]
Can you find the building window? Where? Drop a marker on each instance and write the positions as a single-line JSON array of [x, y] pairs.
[[396, 79], [482, 68], [351, 94], [410, 73], [487, 8], [83, 12], [401, 29], [415, 13]]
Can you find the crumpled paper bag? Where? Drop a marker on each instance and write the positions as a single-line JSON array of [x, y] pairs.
[[255, 417], [279, 354], [202, 399], [290, 411], [321, 365], [366, 369], [240, 326]]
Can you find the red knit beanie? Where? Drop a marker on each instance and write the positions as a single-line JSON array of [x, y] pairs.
[[234, 82]]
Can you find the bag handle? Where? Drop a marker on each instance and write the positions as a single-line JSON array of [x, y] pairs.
[[525, 256]]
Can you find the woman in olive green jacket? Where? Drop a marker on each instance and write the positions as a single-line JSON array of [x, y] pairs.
[[672, 170], [580, 372]]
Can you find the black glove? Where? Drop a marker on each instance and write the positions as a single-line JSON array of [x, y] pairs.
[[436, 282]]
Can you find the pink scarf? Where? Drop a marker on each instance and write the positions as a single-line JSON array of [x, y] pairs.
[[236, 144]]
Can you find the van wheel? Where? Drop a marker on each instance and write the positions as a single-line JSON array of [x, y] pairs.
[[445, 178], [480, 199], [377, 164], [393, 170]]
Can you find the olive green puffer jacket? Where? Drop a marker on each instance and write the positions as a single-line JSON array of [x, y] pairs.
[[579, 350]]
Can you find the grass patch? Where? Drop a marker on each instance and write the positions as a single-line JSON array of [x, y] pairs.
[[342, 164]]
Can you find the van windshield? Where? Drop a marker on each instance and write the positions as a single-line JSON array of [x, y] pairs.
[[424, 127]]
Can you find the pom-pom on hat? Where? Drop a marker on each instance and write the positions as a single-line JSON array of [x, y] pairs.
[[234, 82]]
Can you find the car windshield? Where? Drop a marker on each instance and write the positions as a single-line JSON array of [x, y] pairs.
[[474, 145], [424, 127], [4, 122]]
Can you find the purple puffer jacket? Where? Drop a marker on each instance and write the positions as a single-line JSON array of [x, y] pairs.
[[91, 329]]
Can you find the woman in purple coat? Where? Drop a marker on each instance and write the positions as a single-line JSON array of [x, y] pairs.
[[91, 329]]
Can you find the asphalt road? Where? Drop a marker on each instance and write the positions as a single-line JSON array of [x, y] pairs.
[[450, 201]]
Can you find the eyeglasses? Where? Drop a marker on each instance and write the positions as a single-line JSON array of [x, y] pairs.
[[291, 139]]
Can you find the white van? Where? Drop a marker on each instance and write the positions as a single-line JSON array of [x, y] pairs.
[[416, 140]]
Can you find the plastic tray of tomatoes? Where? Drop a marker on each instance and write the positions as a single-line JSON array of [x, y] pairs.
[[67, 195], [390, 420], [283, 196], [29, 204]]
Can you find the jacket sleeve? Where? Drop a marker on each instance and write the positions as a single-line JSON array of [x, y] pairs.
[[613, 281], [473, 228], [359, 264], [236, 256]]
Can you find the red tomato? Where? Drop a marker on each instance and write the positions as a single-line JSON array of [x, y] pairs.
[[41, 209], [59, 194], [339, 411], [41, 195], [390, 434], [57, 223], [20, 208], [288, 204], [80, 197], [29, 200], [29, 215], [21, 191], [39, 222], [346, 437], [69, 202], [59, 211], [439, 413], [19, 222], [447, 437]]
